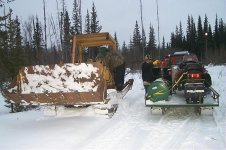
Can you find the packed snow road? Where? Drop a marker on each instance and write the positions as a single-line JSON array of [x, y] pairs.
[[132, 127], [136, 128]]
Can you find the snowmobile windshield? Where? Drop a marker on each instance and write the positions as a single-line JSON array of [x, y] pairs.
[[190, 58]]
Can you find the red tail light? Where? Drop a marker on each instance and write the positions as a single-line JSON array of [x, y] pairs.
[[194, 75]]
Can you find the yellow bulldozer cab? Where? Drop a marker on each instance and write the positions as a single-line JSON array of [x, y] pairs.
[[82, 41]]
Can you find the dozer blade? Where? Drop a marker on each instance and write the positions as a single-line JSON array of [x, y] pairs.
[[62, 84]]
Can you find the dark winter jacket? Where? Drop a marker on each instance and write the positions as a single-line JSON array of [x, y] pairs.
[[147, 72]]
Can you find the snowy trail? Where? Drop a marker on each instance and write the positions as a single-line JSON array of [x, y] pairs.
[[119, 135], [132, 127], [177, 129], [180, 131]]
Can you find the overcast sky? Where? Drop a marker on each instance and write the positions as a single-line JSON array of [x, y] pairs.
[[120, 15]]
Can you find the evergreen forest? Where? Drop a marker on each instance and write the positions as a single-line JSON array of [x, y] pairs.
[[36, 42]]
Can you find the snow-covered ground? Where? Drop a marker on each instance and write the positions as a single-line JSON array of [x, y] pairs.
[[133, 126]]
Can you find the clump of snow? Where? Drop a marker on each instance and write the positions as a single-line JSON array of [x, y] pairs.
[[66, 78]]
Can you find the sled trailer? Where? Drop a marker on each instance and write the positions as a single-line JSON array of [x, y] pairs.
[[210, 100]]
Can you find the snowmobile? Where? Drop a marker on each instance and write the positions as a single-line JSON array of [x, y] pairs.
[[189, 85], [83, 82]]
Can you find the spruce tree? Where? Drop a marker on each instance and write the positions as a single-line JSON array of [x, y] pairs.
[[87, 23], [163, 43], [38, 42], [173, 40], [18, 52], [11, 53], [210, 38], [5, 62], [167, 46], [14, 51], [76, 19], [184, 43], [66, 41], [131, 53], [125, 53], [95, 25], [177, 38], [221, 32], [180, 36], [10, 34], [116, 40], [200, 40], [152, 40], [143, 39], [177, 44], [205, 32], [205, 26], [137, 46], [216, 34], [136, 35], [225, 35], [188, 33], [193, 36], [124, 48], [4, 48]]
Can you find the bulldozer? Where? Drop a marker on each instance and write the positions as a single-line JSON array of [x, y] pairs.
[[82, 82]]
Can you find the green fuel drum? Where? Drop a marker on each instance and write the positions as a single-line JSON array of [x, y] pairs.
[[158, 90]]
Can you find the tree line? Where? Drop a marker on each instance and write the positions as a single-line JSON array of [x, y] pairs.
[[207, 42], [24, 44]]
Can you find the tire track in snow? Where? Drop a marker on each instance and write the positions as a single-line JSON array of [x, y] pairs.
[[169, 131], [180, 134], [130, 115], [117, 137], [180, 130], [166, 130]]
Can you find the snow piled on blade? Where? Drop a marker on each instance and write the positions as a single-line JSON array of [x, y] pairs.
[[65, 78]]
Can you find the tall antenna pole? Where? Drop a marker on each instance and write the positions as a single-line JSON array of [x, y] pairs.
[[158, 28], [44, 11], [142, 26], [80, 15], [59, 24], [5, 15]]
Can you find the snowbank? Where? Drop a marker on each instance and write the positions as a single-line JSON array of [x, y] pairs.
[[218, 75]]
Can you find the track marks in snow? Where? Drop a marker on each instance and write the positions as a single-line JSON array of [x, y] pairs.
[[133, 124], [179, 128], [181, 131], [116, 137]]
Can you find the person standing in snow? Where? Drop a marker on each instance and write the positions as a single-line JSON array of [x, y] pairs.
[[147, 72]]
